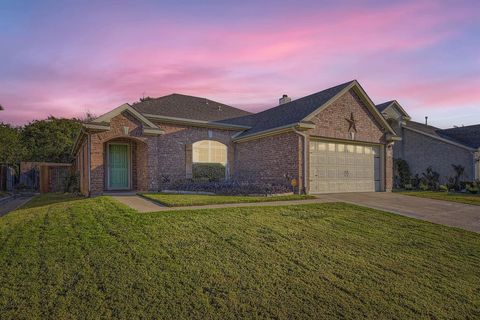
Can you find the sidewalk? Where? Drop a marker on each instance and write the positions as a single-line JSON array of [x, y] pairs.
[[13, 204]]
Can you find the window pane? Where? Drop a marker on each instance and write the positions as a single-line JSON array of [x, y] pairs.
[[207, 151]]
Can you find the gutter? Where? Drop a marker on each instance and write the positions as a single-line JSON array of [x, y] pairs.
[[192, 122], [273, 131], [305, 137]]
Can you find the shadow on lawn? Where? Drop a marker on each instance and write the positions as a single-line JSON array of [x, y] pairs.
[[51, 198]]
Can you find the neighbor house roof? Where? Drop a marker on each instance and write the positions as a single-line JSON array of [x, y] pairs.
[[392, 103], [468, 135], [297, 111], [188, 107], [382, 106], [465, 136]]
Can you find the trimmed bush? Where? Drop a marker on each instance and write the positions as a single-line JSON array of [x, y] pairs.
[[208, 172], [231, 187]]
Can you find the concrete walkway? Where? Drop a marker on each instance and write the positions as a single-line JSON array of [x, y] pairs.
[[448, 213], [13, 204], [442, 212], [138, 203]]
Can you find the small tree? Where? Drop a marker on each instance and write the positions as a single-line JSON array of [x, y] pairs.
[[459, 171], [402, 173], [11, 149]]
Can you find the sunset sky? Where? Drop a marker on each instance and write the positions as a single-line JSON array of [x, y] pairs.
[[65, 58]]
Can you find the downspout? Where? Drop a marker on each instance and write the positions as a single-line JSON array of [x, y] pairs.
[[305, 137]]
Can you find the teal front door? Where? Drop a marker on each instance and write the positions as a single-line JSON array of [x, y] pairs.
[[118, 167]]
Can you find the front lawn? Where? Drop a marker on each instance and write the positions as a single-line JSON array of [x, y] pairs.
[[447, 196], [182, 200], [95, 258]]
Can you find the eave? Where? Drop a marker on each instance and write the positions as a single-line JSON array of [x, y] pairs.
[[301, 126]]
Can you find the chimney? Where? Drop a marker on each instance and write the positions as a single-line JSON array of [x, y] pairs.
[[284, 99], [426, 120]]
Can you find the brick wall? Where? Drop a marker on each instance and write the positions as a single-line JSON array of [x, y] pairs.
[[138, 144], [420, 151], [269, 159], [332, 123], [174, 150]]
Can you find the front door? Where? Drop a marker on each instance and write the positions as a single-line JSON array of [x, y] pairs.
[[118, 167]]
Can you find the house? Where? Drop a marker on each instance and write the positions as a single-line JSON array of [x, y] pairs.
[[334, 140], [423, 145]]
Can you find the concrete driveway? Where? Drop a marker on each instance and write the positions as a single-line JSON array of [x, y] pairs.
[[453, 214]]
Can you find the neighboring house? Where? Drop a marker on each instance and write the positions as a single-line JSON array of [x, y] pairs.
[[331, 141], [423, 145]]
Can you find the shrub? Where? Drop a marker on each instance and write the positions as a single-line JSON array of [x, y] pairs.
[[431, 179], [401, 173], [208, 172], [423, 186], [408, 186], [230, 187], [443, 188], [473, 187]]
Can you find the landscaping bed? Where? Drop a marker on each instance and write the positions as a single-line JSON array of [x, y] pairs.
[[466, 198], [95, 258], [182, 200]]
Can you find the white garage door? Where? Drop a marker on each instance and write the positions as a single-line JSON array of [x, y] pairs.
[[342, 167]]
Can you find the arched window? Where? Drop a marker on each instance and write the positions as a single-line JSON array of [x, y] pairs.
[[209, 151]]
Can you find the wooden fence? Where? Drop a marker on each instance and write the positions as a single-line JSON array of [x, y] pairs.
[[7, 178], [45, 176]]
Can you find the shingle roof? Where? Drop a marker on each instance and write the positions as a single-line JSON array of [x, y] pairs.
[[288, 113], [382, 106], [188, 107], [468, 136]]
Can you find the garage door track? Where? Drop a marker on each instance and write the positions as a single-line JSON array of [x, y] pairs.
[[448, 213]]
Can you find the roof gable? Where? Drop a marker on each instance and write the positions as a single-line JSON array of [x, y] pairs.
[[107, 117], [382, 107], [303, 110]]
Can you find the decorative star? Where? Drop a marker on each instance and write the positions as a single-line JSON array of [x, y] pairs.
[[352, 123]]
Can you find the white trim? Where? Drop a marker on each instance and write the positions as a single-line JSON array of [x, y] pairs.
[[373, 109], [96, 126], [152, 132], [439, 138], [129, 152], [202, 123], [124, 107]]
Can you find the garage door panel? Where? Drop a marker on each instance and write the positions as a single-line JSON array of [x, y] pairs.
[[340, 167]]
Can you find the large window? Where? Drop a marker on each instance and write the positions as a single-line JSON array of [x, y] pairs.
[[208, 151]]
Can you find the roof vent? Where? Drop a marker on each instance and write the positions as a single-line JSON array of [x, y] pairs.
[[426, 120], [284, 99]]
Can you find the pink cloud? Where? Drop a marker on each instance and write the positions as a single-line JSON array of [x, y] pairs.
[[247, 64]]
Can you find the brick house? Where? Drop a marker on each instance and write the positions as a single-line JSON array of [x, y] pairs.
[[334, 140], [423, 145]]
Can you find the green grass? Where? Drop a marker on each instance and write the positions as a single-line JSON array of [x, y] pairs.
[[95, 258], [447, 196], [182, 200]]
